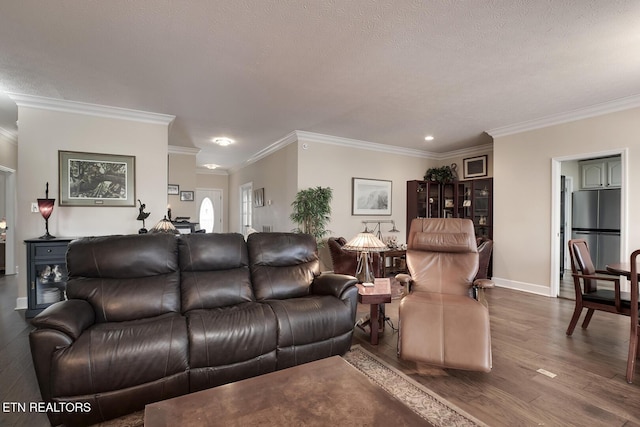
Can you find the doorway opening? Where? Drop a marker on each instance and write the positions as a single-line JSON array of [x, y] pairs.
[[563, 227], [246, 206], [209, 202], [7, 215]]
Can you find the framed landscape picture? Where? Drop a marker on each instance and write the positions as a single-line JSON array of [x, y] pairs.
[[370, 197], [92, 179]]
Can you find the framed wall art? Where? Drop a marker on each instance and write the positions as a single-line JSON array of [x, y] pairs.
[[92, 179], [173, 189], [186, 196], [475, 167], [370, 197], [258, 198]]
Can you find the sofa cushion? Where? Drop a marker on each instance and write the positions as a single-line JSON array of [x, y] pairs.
[[311, 328], [125, 277], [214, 270], [120, 257], [114, 356], [283, 265], [228, 335]]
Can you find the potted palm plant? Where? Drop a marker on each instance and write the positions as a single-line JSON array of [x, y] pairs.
[[312, 211]]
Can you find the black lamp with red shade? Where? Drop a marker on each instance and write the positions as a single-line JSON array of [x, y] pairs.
[[45, 206]]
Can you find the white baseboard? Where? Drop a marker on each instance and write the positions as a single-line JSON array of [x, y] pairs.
[[21, 303], [524, 287]]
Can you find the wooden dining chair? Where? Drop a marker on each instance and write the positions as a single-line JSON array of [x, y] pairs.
[[585, 281], [634, 340]]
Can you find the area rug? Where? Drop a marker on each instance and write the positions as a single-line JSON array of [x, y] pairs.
[[433, 408]]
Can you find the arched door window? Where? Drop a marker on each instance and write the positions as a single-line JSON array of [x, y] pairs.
[[206, 215]]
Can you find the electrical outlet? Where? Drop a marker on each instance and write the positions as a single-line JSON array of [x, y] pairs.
[[34, 208]]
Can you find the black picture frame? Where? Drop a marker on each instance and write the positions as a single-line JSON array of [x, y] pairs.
[[173, 189], [258, 198], [95, 179], [475, 167], [186, 196]]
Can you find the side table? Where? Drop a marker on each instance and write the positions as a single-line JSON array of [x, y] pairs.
[[379, 293], [398, 261]]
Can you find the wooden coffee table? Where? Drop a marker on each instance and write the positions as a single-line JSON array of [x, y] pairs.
[[375, 295], [322, 393]]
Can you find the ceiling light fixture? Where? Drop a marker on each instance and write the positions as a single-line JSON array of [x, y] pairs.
[[429, 138], [211, 166], [223, 141]]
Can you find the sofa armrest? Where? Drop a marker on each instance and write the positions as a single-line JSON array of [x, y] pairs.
[[70, 317], [332, 284]]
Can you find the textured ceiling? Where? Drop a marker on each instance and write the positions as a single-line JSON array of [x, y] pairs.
[[388, 72]]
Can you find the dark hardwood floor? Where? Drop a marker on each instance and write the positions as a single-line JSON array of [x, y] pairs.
[[528, 333], [17, 377]]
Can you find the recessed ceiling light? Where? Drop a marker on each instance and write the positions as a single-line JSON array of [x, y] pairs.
[[429, 138], [211, 166], [223, 141]]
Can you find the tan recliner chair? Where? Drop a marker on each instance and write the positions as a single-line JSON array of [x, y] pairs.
[[441, 320]]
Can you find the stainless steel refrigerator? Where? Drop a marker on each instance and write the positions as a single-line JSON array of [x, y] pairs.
[[596, 218]]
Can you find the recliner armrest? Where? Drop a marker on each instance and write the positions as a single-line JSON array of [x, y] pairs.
[[484, 283], [332, 284], [70, 317], [403, 278]]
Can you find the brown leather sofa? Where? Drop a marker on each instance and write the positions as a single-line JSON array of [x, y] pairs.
[[149, 317], [444, 320]]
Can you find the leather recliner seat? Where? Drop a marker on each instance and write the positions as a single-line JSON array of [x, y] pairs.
[[441, 323]]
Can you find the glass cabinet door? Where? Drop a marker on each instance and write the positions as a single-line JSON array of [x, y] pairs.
[[50, 281], [464, 203], [482, 200], [448, 200], [434, 200]]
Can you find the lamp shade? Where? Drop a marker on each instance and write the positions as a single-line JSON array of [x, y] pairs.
[[164, 226], [365, 242]]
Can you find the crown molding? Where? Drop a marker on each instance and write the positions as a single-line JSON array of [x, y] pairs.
[[366, 145], [177, 149], [297, 135], [66, 106], [569, 116], [464, 152], [279, 144], [9, 136]]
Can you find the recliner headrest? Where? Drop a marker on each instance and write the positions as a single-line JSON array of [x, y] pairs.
[[442, 242]]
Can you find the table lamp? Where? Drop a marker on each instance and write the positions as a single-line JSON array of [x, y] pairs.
[[365, 243], [164, 226], [45, 206]]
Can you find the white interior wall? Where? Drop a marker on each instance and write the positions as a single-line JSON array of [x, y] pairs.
[[277, 173], [334, 166], [523, 191], [43, 132]]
